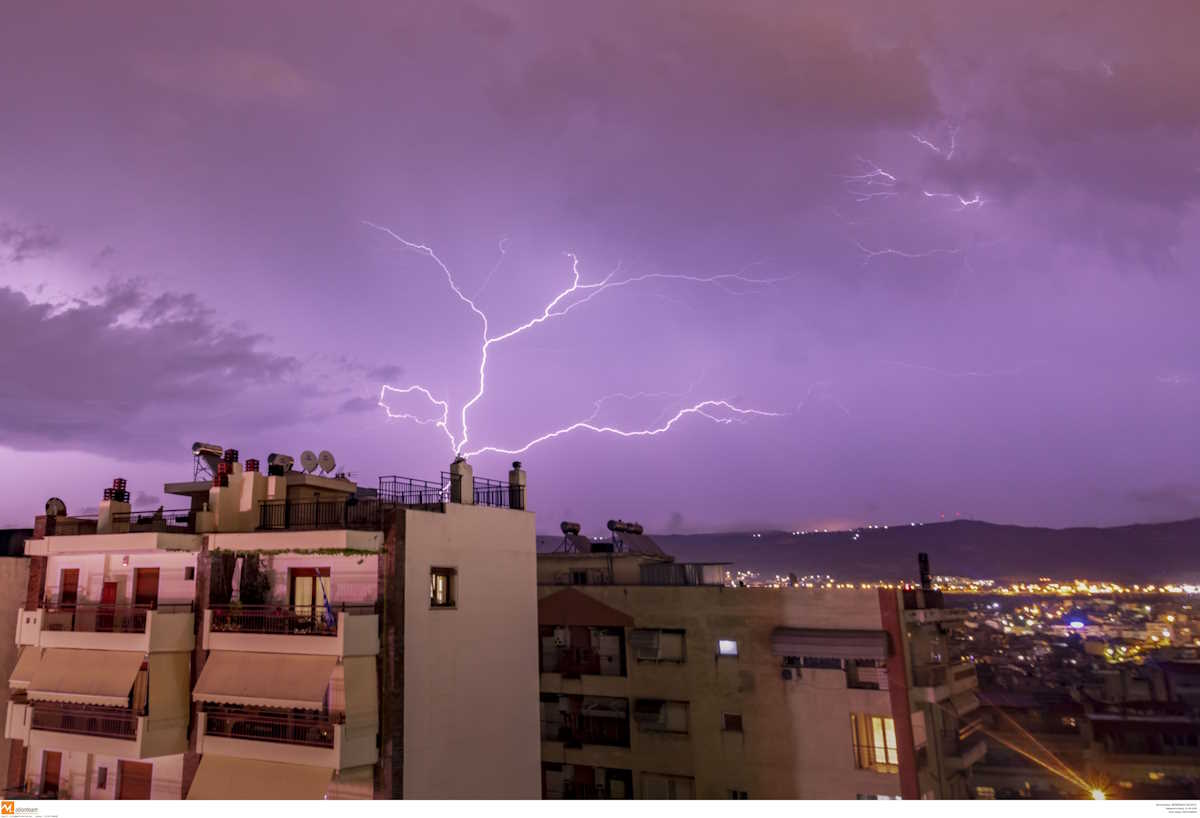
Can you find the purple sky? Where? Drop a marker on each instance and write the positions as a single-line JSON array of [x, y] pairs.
[[978, 229]]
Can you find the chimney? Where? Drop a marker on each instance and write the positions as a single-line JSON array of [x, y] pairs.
[[516, 487], [462, 482], [926, 579]]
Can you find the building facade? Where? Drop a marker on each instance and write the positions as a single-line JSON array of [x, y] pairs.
[[282, 635], [658, 680]]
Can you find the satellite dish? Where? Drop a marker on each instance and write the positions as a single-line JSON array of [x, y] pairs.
[[308, 461], [326, 462], [56, 508]]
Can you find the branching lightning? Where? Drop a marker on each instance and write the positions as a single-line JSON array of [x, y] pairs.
[[577, 294], [946, 152]]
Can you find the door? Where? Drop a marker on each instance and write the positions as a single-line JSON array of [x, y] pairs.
[[308, 589], [68, 588], [145, 585], [51, 770], [108, 605], [133, 780]]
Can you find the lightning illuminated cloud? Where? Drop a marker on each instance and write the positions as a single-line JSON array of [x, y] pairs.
[[577, 294]]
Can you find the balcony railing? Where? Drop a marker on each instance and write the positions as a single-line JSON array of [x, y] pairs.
[[413, 493], [71, 526], [605, 732], [498, 495], [309, 620], [177, 520], [99, 618], [87, 721], [310, 732], [363, 515]]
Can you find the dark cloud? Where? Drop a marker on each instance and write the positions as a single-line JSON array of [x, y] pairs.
[[385, 373], [19, 244], [132, 373], [1170, 501], [143, 500], [359, 405]]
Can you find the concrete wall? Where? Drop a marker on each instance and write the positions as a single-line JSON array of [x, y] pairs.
[[796, 739], [470, 673], [79, 774], [14, 578], [97, 568]]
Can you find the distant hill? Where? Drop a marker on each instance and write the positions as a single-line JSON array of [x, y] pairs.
[[1155, 552]]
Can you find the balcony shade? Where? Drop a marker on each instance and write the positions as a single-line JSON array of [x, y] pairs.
[[100, 677], [964, 703], [22, 675], [221, 778], [265, 679], [570, 607], [830, 643]]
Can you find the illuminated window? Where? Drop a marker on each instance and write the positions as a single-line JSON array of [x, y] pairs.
[[986, 793], [1156, 776], [727, 647], [442, 582], [874, 739]]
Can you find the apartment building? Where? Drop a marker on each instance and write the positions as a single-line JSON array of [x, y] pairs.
[[284, 634], [658, 680]]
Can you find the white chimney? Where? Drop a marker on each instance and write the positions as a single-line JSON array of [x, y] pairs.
[[462, 482]]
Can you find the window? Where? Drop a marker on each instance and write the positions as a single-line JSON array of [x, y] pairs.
[[727, 647], [666, 787], [442, 582], [189, 572], [738, 795], [657, 645], [985, 793], [731, 722], [660, 716], [102, 778], [874, 739]]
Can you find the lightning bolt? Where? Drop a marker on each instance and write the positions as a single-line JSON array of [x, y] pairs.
[[873, 183], [963, 202], [870, 253], [566, 300], [947, 152]]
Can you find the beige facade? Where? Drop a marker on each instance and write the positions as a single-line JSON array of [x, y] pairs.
[[281, 636], [654, 686]]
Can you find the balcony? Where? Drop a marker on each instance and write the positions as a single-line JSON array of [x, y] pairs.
[[161, 628], [312, 515], [936, 683], [105, 722], [315, 739], [968, 754], [109, 731], [353, 630], [578, 720]]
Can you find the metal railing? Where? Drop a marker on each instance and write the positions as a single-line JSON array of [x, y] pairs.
[[101, 618], [603, 732], [308, 620], [177, 520], [413, 493], [498, 495], [71, 526], [254, 726], [574, 662], [87, 721], [364, 515]]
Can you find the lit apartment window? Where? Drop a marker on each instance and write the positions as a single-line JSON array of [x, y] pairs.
[[985, 793], [657, 645], [727, 647], [874, 739], [661, 716], [442, 587], [731, 722]]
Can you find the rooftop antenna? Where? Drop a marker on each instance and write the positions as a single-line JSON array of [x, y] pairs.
[[205, 457], [326, 462], [308, 461]]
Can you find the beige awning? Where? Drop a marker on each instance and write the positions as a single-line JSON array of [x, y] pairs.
[[101, 677], [22, 675], [265, 679], [830, 643], [964, 703], [221, 778]]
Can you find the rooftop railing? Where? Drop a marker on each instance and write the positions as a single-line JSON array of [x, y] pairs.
[[70, 526], [88, 721], [496, 494], [364, 515], [303, 620], [314, 731], [176, 520], [101, 618], [414, 493]]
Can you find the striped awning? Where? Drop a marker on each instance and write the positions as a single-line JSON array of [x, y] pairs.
[[831, 643], [100, 677], [265, 679]]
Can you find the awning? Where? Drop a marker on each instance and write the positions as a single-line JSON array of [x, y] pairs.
[[572, 607], [22, 675], [101, 677], [831, 643], [265, 679], [964, 703], [221, 778]]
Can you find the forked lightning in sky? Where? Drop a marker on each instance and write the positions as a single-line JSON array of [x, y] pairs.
[[577, 294]]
